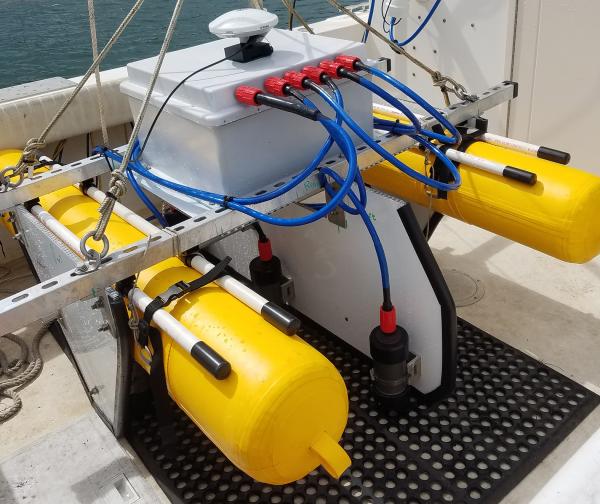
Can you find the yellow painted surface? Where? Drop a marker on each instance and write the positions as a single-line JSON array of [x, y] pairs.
[[558, 215], [282, 410]]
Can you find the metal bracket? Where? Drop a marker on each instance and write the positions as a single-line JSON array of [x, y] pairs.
[[288, 292], [414, 368], [338, 216]]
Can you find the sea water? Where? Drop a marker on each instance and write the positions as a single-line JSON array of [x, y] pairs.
[[48, 38]]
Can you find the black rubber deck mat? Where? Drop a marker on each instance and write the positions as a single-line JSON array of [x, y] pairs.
[[507, 413]]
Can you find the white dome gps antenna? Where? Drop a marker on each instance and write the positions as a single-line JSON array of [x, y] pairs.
[[250, 26]]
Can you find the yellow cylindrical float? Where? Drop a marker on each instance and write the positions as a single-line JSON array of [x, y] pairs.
[[558, 215], [284, 406]]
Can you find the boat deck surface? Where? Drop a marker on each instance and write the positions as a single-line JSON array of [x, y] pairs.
[[544, 307]]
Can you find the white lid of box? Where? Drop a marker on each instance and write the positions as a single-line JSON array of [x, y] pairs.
[[208, 98]]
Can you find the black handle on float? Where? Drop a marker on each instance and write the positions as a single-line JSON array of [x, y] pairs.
[[519, 175], [211, 360], [554, 155], [281, 319]]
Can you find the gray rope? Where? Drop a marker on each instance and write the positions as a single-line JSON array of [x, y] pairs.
[[21, 376], [444, 82], [92, 18], [295, 13], [33, 145], [118, 182]]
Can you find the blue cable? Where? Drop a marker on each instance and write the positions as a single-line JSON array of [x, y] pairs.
[[369, 20], [362, 134], [337, 134], [417, 31], [340, 137], [383, 266], [138, 190], [431, 110], [297, 179], [140, 193], [394, 102]]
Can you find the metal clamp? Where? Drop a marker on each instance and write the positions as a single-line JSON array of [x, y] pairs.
[[88, 253], [5, 182]]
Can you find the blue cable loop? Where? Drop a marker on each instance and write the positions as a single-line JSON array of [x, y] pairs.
[[138, 190], [417, 31], [431, 110], [140, 193], [297, 179], [339, 136], [336, 134], [394, 102], [369, 21], [360, 209], [363, 135]]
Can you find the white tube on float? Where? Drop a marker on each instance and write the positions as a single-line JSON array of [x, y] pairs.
[[236, 288], [271, 312], [125, 213], [547, 153], [200, 351], [64, 234]]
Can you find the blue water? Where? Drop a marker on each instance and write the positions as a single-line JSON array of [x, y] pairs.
[[46, 38]]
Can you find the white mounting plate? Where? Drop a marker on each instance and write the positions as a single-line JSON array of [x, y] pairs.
[[338, 285]]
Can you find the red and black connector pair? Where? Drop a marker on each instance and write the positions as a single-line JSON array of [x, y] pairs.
[[254, 96]]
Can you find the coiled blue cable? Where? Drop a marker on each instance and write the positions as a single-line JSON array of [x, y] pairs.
[[425, 105], [363, 135], [417, 31], [337, 133], [297, 179]]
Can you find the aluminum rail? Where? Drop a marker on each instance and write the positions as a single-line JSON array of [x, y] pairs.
[[47, 298], [271, 312], [57, 177]]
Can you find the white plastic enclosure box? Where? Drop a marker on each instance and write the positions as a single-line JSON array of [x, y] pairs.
[[206, 139]]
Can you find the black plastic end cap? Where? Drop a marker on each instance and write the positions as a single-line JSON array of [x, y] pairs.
[[554, 155], [389, 348], [211, 360], [281, 319], [519, 175]]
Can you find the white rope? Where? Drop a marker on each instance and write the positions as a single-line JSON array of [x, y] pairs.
[[118, 182], [92, 18], [34, 144], [17, 376]]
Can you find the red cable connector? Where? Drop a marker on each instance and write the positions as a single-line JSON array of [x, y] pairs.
[[331, 68], [387, 320], [348, 62], [315, 74], [276, 86], [295, 79], [247, 95], [265, 252]]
